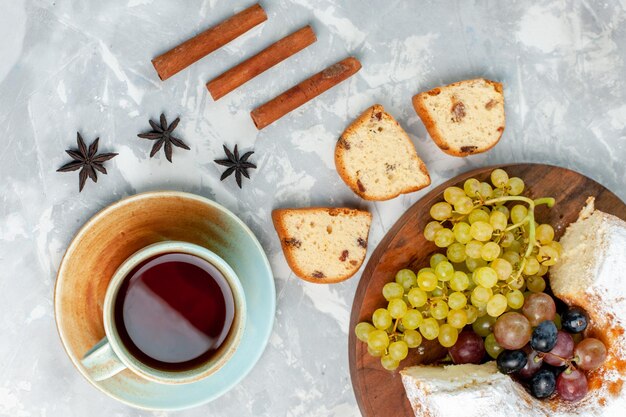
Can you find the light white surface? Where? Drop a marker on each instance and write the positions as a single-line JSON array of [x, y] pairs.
[[85, 65]]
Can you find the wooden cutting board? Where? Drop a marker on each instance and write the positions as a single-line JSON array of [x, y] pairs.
[[380, 393]]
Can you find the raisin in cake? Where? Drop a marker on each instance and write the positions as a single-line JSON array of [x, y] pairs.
[[463, 118], [323, 245], [591, 275], [376, 158]]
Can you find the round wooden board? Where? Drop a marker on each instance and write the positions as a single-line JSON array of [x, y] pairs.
[[380, 393]]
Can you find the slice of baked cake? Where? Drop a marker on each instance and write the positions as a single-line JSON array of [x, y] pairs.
[[463, 118], [323, 245], [376, 158]]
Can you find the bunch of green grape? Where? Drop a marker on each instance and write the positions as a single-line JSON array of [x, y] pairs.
[[494, 253]]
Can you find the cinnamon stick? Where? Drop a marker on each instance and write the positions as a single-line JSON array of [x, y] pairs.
[[264, 60], [208, 41], [308, 89]]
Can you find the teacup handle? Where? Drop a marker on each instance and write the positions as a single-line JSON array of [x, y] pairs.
[[101, 362]]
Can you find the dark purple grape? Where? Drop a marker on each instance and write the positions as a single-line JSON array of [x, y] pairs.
[[574, 320], [533, 364], [469, 348], [543, 338], [543, 384], [511, 361], [572, 385], [562, 351]]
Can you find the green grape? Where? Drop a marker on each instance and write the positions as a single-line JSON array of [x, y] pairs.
[[375, 353], [439, 310], [471, 187], [417, 297], [535, 283], [381, 318], [478, 215], [547, 256], [464, 205], [542, 270], [473, 263], [518, 213], [444, 271], [398, 350], [503, 209], [422, 270], [457, 300], [406, 278], [457, 318], [557, 321], [531, 267], [484, 325], [511, 256], [544, 233], [496, 306], [498, 220], [486, 191], [436, 258], [480, 296], [456, 252], [515, 186], [362, 331], [503, 268], [437, 292], [453, 194], [492, 347], [412, 338], [506, 239], [430, 230], [499, 178], [472, 249], [444, 238], [515, 299], [460, 281], [472, 314], [441, 211], [378, 340], [481, 231], [389, 363], [515, 246], [412, 319], [490, 251], [427, 281], [556, 245], [397, 308], [448, 335], [517, 284], [400, 327], [393, 290], [461, 232], [486, 277], [429, 328]]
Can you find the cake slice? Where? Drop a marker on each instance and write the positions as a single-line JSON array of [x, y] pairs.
[[376, 158], [467, 390], [323, 245], [463, 118]]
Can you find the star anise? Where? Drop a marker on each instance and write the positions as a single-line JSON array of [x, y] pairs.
[[163, 136], [87, 161], [236, 164]]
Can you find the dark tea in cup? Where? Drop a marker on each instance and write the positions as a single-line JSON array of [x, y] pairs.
[[174, 311]]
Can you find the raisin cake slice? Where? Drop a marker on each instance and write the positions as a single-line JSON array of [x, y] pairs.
[[323, 245], [463, 118], [376, 158]]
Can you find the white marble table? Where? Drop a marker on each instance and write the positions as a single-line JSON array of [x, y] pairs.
[[85, 65]]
